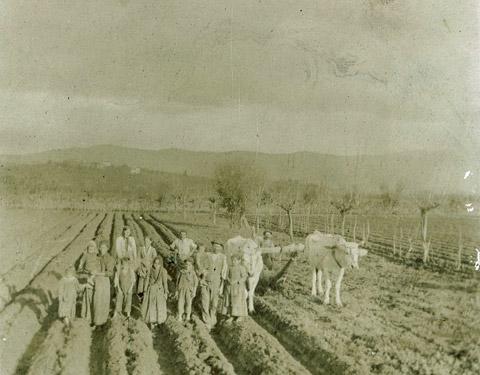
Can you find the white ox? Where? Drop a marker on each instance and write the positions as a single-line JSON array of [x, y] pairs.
[[330, 254], [252, 260]]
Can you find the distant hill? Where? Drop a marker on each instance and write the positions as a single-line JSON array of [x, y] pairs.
[[437, 171]]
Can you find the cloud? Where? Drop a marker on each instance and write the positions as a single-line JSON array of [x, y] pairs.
[[364, 66]]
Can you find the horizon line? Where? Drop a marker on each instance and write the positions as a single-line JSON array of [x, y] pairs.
[[220, 152]]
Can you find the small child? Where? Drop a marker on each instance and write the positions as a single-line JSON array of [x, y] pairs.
[[237, 278], [67, 296], [186, 286], [124, 283]]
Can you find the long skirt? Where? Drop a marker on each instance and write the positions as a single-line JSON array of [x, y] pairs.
[[67, 309], [238, 300], [142, 284], [225, 303], [101, 300], [154, 306], [87, 297]]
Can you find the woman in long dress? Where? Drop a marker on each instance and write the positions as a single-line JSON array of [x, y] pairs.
[[89, 265], [154, 306], [101, 295], [237, 278], [147, 255]]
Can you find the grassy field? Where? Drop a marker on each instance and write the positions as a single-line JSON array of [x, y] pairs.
[[397, 318]]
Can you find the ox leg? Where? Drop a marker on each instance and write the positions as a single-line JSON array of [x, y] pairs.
[[319, 282], [328, 286], [314, 282], [338, 284], [252, 284]]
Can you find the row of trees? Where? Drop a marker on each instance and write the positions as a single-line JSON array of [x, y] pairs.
[[239, 186]]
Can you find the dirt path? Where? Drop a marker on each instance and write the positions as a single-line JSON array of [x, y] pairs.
[[27, 320]]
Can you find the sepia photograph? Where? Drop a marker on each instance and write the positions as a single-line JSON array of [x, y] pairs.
[[239, 187]]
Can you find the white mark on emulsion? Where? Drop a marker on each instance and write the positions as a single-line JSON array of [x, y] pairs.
[[467, 174], [469, 207], [477, 263]]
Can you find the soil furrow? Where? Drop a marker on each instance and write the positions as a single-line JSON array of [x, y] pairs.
[[76, 354], [98, 343], [116, 338], [46, 360], [141, 355], [34, 310], [22, 275], [38, 242], [99, 350], [299, 343]]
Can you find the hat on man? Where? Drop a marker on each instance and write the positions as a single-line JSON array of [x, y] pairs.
[[216, 243], [267, 232]]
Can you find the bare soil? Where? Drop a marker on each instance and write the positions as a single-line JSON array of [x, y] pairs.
[[397, 318]]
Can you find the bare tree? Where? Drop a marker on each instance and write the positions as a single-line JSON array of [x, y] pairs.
[[262, 198], [310, 196], [390, 201], [286, 195], [344, 205], [425, 205], [258, 193], [460, 248], [213, 201], [390, 197], [162, 196], [181, 195]]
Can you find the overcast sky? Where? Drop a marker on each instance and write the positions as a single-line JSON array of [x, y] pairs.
[[332, 76]]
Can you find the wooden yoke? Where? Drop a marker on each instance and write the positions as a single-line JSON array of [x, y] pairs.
[[292, 248]]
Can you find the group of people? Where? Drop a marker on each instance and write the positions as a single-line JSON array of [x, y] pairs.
[[220, 281]]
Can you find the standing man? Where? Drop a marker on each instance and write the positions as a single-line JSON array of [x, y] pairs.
[[183, 247], [266, 242], [212, 268], [125, 246]]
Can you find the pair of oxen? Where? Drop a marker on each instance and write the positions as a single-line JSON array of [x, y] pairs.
[[328, 255]]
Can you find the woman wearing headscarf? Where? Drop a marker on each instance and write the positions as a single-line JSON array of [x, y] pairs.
[[237, 280], [89, 265], [147, 256], [154, 306], [101, 294]]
